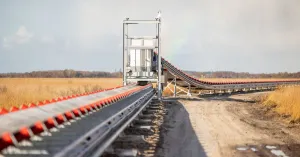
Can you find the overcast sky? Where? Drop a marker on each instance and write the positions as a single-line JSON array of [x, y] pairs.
[[203, 35]]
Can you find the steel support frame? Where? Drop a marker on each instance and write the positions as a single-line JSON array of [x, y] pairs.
[[174, 90], [126, 38]]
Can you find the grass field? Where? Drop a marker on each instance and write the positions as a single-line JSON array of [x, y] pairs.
[[17, 91], [286, 101]]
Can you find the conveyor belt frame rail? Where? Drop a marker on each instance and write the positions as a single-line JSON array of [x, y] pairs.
[[101, 135]]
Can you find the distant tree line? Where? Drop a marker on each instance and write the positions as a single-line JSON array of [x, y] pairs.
[[68, 73], [230, 74]]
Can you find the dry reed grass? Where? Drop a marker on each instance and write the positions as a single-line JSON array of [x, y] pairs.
[[285, 101], [17, 91]]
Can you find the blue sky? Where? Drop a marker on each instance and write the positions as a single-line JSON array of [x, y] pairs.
[[203, 35]]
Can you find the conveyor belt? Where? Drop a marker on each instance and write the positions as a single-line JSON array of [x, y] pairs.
[[71, 118], [56, 143], [223, 85]]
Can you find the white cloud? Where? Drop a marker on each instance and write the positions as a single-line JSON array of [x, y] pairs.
[[22, 36]]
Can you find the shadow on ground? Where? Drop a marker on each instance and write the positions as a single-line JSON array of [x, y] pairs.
[[178, 137]]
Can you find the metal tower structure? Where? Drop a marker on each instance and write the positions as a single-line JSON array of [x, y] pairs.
[[142, 55]]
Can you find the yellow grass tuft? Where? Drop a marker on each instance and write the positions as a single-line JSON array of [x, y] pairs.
[[286, 101], [17, 91]]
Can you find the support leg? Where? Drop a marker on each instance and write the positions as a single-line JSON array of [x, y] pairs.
[[189, 92], [175, 87]]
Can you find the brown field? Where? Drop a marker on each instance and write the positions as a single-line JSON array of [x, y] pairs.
[[17, 91], [285, 101]]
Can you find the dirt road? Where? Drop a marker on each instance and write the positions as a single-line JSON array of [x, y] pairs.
[[226, 126]]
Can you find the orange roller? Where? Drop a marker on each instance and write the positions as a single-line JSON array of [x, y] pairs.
[[24, 132], [22, 107], [113, 99], [47, 102], [76, 112], [102, 103], [50, 121], [13, 109], [6, 137], [40, 103], [82, 109], [60, 118], [69, 115], [105, 101], [31, 105], [88, 107], [53, 100], [93, 106], [109, 100], [3, 111], [98, 104], [37, 127]]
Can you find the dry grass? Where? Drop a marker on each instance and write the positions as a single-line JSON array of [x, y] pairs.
[[17, 91], [286, 101]]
